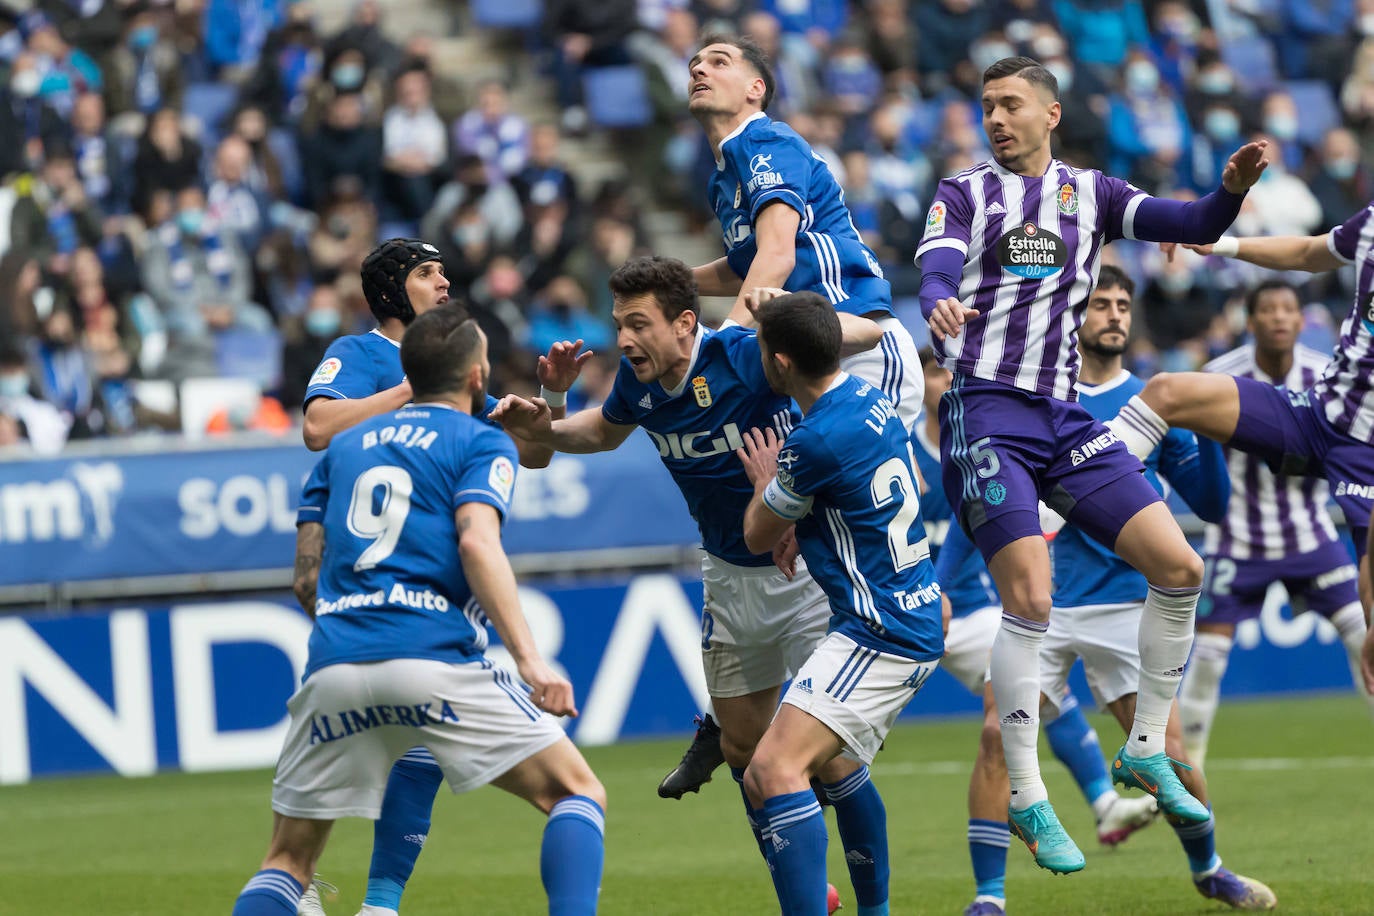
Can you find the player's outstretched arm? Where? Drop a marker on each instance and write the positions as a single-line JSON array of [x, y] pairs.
[[717, 279], [556, 372], [1196, 222], [489, 574], [775, 234], [1311, 253], [309, 550], [326, 417], [584, 432]]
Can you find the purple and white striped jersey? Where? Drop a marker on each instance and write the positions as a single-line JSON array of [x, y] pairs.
[[1032, 248], [1344, 388], [1270, 517]]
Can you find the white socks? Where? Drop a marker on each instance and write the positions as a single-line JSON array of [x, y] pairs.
[[1016, 687], [1349, 623], [1166, 635], [1139, 427], [1201, 691]]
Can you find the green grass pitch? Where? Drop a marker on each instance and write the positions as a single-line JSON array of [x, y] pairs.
[[1289, 783]]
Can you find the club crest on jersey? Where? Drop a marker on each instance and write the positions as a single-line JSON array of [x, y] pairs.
[[1068, 199], [1032, 251], [935, 220], [994, 494], [701, 391], [327, 371]]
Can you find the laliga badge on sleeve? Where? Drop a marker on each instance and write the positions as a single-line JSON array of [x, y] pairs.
[[327, 371], [702, 392], [935, 220], [502, 477]]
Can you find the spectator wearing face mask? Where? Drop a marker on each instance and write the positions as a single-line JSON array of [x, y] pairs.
[[65, 71], [1214, 84], [24, 419], [1217, 137], [344, 147], [1279, 116], [559, 312], [144, 70], [1148, 131], [27, 122], [1282, 202], [1177, 303], [1080, 141], [307, 339], [346, 73], [470, 187], [1339, 181]]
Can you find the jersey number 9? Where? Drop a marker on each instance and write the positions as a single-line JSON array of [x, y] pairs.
[[379, 517]]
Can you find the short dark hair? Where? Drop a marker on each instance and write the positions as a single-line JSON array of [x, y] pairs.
[[1113, 277], [438, 349], [752, 53], [1268, 286], [668, 280], [1028, 68], [805, 327]]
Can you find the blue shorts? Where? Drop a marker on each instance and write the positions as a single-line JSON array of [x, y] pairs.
[[1002, 450], [1321, 580], [1289, 432]]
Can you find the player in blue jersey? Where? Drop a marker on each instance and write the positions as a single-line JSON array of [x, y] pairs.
[[399, 561], [1098, 597], [846, 478], [360, 377], [976, 615], [696, 392], [785, 225]]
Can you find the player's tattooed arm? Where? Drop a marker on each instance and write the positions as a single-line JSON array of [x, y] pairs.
[[309, 550], [489, 574]]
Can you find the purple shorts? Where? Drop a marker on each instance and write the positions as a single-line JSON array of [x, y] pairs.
[[1321, 580], [1002, 450], [1288, 430]]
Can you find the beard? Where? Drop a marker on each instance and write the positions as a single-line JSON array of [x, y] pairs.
[[1098, 348]]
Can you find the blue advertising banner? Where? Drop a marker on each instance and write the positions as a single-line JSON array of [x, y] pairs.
[[203, 686], [231, 509]]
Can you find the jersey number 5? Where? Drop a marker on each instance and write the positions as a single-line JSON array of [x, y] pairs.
[[379, 517], [896, 471]]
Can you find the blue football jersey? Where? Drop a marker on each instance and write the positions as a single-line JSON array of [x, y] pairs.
[[970, 587], [1087, 573], [766, 161], [391, 583], [361, 365], [847, 476], [698, 426]]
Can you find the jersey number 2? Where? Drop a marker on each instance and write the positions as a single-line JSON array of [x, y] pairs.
[[904, 553], [381, 526]]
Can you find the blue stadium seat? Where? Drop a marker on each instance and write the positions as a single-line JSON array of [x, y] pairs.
[[1317, 111], [617, 96], [1252, 60], [209, 103], [507, 14], [253, 355]]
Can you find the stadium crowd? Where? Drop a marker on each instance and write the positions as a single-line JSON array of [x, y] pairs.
[[190, 186]]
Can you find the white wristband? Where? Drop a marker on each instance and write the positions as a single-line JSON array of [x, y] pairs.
[[553, 398], [1226, 247]]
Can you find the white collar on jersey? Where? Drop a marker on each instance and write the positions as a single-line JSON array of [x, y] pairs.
[[1094, 390], [720, 162], [836, 382], [378, 332], [1003, 170], [681, 386]]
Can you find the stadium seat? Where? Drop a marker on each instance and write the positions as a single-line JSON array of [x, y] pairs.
[[252, 355], [1317, 111], [617, 96], [209, 104], [1252, 60], [507, 14]]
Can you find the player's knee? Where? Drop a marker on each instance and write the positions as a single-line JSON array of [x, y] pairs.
[[593, 789], [1027, 599], [1185, 571], [768, 776], [1164, 394], [737, 749]]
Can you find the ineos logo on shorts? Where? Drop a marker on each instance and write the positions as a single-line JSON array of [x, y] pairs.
[[1032, 252]]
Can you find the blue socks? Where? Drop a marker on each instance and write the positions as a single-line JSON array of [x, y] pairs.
[[571, 856], [1075, 744], [862, 820], [271, 892], [796, 837], [987, 847], [1200, 843], [399, 834]]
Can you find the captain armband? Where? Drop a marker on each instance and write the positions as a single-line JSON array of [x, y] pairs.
[[785, 503]]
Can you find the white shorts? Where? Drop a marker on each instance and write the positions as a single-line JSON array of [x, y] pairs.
[[856, 691], [1106, 637], [894, 365], [349, 723], [968, 647], [757, 628]]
